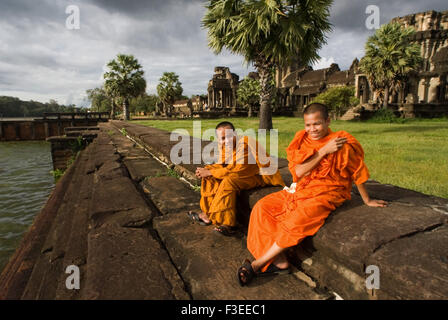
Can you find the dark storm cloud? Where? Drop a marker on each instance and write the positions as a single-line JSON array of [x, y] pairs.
[[350, 33], [140, 8], [351, 14], [40, 59]]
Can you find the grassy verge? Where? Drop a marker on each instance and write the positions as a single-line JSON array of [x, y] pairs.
[[412, 154]]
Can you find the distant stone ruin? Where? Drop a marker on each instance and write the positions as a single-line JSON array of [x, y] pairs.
[[424, 94], [222, 89]]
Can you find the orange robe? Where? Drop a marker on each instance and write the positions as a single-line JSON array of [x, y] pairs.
[[230, 175], [287, 218]]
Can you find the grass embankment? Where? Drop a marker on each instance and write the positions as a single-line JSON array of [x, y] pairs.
[[412, 155]]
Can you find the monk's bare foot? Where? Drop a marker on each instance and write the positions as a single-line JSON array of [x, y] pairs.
[[256, 266], [204, 217], [225, 230], [281, 261], [200, 218]]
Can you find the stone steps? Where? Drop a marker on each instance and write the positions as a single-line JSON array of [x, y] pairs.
[[349, 115], [76, 251], [48, 268], [15, 276]]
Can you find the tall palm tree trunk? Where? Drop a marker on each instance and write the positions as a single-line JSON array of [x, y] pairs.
[[112, 109], [386, 97], [126, 109], [265, 94]]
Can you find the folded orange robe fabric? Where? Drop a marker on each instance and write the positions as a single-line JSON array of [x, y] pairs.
[[287, 218], [234, 172]]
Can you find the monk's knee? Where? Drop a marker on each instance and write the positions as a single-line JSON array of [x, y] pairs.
[[228, 184]]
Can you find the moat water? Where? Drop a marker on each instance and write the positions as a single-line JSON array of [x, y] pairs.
[[25, 184]]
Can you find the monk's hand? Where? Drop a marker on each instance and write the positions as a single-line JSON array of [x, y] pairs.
[[203, 173], [333, 145], [376, 203]]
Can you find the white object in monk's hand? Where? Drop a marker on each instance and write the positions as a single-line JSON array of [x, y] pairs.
[[292, 188]]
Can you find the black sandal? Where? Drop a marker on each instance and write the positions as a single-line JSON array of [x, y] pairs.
[[196, 218], [225, 230], [247, 271], [273, 270]]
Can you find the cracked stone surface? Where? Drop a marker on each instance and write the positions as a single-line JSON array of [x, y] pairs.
[[170, 195], [415, 266], [208, 263], [127, 263]]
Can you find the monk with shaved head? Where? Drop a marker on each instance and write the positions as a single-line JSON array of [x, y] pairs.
[[323, 164], [221, 182]]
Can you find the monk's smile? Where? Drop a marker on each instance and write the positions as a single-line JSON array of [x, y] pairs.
[[316, 126]]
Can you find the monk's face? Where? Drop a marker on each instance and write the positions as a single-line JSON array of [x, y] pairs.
[[316, 125], [226, 136]]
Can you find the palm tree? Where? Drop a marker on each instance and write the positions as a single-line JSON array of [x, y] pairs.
[[125, 80], [389, 58], [169, 89], [268, 33], [111, 90]]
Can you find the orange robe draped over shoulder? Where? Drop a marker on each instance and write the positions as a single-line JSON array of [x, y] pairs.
[[231, 175], [287, 218]]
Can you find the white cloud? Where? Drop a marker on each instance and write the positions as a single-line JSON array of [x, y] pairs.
[[323, 63]]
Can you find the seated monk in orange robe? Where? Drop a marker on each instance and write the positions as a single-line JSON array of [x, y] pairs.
[[239, 168], [323, 164]]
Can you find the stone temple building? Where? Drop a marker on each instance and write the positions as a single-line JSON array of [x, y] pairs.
[[222, 89], [424, 94], [297, 88]]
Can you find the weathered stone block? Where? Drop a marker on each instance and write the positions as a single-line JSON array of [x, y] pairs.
[[170, 195], [127, 263], [208, 262]]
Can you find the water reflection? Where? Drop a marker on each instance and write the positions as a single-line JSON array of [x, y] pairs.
[[25, 184]]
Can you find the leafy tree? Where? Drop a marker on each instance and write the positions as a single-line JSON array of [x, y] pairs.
[[249, 93], [145, 103], [389, 58], [169, 90], [99, 99], [268, 33], [338, 99], [125, 80]]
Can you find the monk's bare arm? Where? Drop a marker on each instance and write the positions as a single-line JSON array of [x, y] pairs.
[[366, 198], [304, 168], [332, 146]]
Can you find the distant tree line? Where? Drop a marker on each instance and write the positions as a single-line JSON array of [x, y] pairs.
[[124, 90], [14, 107]]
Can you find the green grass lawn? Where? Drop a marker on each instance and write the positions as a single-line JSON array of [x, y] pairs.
[[412, 155]]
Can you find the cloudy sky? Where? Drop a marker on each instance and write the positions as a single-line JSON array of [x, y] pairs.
[[42, 59]]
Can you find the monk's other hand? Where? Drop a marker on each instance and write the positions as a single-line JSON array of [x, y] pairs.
[[203, 173], [333, 145], [376, 203]]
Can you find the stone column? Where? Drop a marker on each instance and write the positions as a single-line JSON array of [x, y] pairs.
[[421, 90], [434, 90]]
